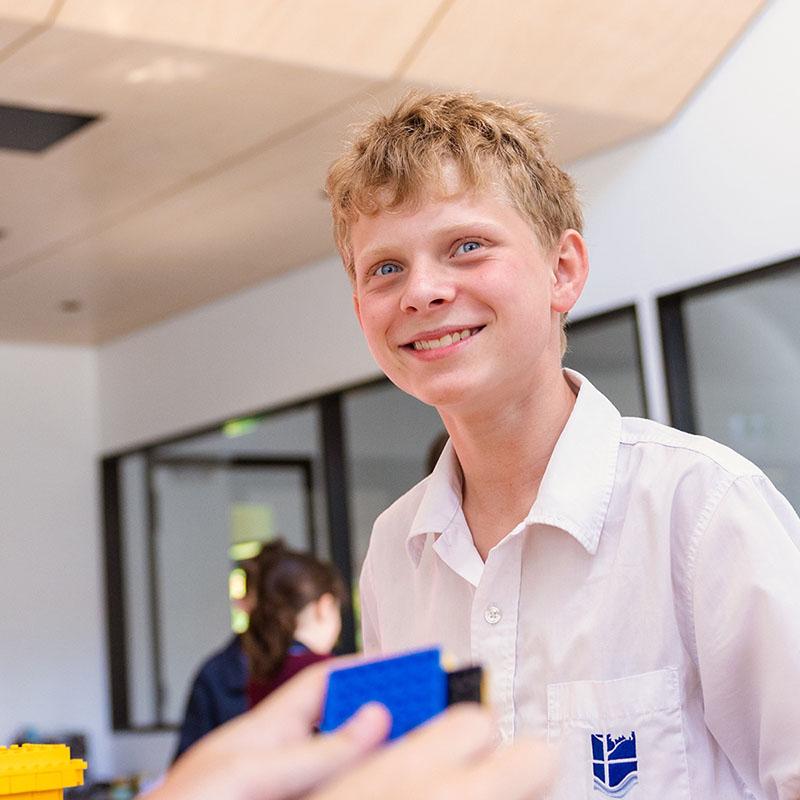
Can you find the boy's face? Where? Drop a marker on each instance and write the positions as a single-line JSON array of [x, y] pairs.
[[457, 299]]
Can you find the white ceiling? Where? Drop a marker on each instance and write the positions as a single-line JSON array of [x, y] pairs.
[[219, 118]]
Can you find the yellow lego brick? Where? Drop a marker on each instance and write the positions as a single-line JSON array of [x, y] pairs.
[[38, 771]]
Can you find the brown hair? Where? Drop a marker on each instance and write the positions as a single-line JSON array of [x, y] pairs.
[[403, 153], [286, 582]]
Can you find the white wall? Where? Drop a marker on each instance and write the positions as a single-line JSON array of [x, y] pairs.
[[52, 658], [290, 338]]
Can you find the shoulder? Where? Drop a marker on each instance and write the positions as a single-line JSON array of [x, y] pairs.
[[661, 443], [226, 665], [679, 478], [715, 502]]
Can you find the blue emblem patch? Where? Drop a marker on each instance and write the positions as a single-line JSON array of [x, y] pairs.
[[614, 763]]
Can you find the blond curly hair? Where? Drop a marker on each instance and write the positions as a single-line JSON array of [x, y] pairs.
[[395, 158]]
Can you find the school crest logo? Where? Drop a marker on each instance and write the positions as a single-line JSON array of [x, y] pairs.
[[614, 763]]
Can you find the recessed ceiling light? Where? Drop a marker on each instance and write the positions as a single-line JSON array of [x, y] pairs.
[[33, 130], [168, 70], [70, 306]]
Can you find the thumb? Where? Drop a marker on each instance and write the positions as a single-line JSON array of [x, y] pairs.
[[366, 729]]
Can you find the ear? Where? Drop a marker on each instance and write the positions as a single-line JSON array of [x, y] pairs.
[[324, 605], [569, 271]]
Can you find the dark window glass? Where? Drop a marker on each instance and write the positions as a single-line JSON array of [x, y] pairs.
[[606, 350], [742, 341]]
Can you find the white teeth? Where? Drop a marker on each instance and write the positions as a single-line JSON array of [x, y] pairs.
[[445, 341]]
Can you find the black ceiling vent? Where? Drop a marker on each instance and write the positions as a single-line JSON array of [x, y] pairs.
[[33, 130]]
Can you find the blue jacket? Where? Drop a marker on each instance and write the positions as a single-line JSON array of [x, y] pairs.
[[219, 693]]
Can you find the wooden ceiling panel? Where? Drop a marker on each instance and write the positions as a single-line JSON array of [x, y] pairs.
[[355, 36], [575, 133], [26, 11], [170, 118], [252, 221], [11, 31], [15, 30], [220, 117], [624, 57]]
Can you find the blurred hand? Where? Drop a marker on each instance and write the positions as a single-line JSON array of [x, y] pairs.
[[454, 757], [270, 753]]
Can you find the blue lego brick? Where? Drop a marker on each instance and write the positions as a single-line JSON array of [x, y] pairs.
[[412, 686]]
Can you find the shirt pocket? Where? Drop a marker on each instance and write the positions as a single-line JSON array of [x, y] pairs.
[[619, 738]]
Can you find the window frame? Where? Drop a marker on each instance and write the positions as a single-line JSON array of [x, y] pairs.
[[674, 337]]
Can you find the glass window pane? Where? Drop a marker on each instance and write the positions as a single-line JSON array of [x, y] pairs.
[[388, 435], [201, 511], [192, 569], [288, 435], [606, 350], [743, 344], [275, 493]]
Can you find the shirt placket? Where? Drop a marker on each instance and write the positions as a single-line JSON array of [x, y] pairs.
[[493, 627]]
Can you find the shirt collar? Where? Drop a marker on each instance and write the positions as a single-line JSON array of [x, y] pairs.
[[574, 492], [440, 504]]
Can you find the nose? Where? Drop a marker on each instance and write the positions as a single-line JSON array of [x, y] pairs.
[[427, 286]]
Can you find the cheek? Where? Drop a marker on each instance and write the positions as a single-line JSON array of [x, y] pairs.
[[375, 323], [529, 315]]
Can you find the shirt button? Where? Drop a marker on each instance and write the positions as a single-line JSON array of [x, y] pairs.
[[493, 615]]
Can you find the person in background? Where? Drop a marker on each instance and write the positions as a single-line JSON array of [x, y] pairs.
[[296, 618], [219, 690]]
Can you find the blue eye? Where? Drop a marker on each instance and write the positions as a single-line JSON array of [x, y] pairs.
[[467, 247], [387, 269]]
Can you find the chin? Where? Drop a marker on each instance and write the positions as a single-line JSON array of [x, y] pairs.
[[444, 393]]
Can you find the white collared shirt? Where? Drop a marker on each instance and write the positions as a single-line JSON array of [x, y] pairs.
[[645, 615]]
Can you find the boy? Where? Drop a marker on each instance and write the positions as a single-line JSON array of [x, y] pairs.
[[634, 591]]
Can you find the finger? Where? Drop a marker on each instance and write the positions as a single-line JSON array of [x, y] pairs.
[[290, 712], [287, 715], [303, 766], [522, 771], [458, 735], [420, 759]]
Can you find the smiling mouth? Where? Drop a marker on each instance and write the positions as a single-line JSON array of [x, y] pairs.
[[444, 341]]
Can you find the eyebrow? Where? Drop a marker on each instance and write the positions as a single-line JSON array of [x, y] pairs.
[[479, 227], [381, 253]]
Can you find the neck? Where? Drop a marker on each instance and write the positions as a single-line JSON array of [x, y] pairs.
[[309, 640], [504, 455]]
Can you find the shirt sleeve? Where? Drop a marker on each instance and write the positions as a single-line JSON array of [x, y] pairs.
[[370, 637], [746, 607]]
